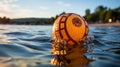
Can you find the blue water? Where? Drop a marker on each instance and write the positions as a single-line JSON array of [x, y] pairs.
[[29, 46]]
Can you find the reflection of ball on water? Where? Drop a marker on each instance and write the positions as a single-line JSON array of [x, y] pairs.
[[70, 27]]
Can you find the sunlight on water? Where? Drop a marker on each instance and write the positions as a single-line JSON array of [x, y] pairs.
[[4, 38], [29, 46]]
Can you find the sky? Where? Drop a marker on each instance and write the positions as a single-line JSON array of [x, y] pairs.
[[49, 8]]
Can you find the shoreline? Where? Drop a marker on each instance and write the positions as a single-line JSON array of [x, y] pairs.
[[97, 24], [105, 24]]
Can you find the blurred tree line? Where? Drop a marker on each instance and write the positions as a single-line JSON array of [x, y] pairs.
[[100, 15], [31, 21], [103, 15], [4, 20]]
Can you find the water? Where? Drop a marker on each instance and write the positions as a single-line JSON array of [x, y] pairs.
[[29, 46]]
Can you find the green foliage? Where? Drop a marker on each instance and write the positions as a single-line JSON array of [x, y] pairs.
[[102, 14], [88, 15], [108, 14]]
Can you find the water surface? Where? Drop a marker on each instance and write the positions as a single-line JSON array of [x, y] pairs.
[[29, 46]]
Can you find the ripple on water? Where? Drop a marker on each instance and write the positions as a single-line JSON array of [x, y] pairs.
[[29, 46], [18, 34], [37, 38], [18, 50]]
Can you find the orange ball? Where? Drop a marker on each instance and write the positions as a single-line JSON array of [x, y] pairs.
[[70, 27]]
